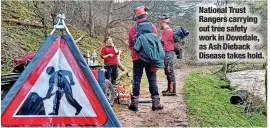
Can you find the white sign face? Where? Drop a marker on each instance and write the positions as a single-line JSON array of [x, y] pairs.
[[41, 86]]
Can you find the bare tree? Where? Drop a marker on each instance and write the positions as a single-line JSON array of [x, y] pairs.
[[109, 18], [91, 19], [55, 9], [41, 15]]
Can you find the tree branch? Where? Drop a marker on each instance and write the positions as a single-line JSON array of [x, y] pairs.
[[123, 6]]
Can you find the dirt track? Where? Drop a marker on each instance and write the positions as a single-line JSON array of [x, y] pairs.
[[174, 113]]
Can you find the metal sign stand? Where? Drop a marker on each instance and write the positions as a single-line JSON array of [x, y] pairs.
[[60, 25]]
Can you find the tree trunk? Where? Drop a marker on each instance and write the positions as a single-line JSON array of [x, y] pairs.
[[21, 22], [125, 71], [79, 39], [41, 15], [91, 19], [109, 19], [265, 81], [226, 61], [122, 67]]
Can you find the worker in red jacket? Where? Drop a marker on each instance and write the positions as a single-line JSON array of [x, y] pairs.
[[168, 46], [139, 65], [109, 54]]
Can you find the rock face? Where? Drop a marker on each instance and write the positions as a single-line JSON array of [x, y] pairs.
[[251, 80]]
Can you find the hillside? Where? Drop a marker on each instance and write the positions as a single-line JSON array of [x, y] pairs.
[[203, 90], [18, 39]]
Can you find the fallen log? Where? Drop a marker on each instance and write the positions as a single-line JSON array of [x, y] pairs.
[[21, 22], [79, 39], [125, 71], [122, 67]]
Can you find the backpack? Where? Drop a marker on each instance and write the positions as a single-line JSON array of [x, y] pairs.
[[179, 34], [148, 45], [142, 28]]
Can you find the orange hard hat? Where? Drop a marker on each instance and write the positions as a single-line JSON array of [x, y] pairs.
[[140, 11]]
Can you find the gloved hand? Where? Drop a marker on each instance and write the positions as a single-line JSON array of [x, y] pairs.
[[48, 96]]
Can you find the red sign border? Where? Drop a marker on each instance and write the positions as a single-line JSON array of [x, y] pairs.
[[101, 119]]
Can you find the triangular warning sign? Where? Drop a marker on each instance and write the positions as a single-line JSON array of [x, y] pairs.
[[57, 88]]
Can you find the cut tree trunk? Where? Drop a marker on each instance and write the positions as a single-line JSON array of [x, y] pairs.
[[21, 22], [122, 67], [79, 39], [125, 71]]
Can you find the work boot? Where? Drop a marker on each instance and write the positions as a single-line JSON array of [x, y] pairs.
[[168, 88], [134, 103], [113, 82], [78, 110], [165, 91], [172, 90], [156, 103]]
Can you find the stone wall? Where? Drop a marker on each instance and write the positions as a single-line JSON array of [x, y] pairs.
[[251, 80]]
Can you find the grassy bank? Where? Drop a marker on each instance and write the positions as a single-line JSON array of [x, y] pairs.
[[17, 40], [208, 104]]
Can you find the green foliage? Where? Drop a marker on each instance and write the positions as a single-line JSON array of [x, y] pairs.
[[30, 39], [208, 104], [17, 41], [17, 10], [218, 70], [245, 66], [261, 7]]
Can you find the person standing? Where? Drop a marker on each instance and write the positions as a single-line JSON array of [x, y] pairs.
[[109, 54], [139, 64], [58, 79], [168, 46]]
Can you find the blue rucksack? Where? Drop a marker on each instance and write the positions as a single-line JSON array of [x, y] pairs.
[[179, 33]]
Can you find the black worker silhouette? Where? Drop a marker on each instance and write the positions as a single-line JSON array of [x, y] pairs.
[[59, 80]]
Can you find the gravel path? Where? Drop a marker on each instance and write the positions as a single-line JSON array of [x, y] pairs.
[[174, 113]]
